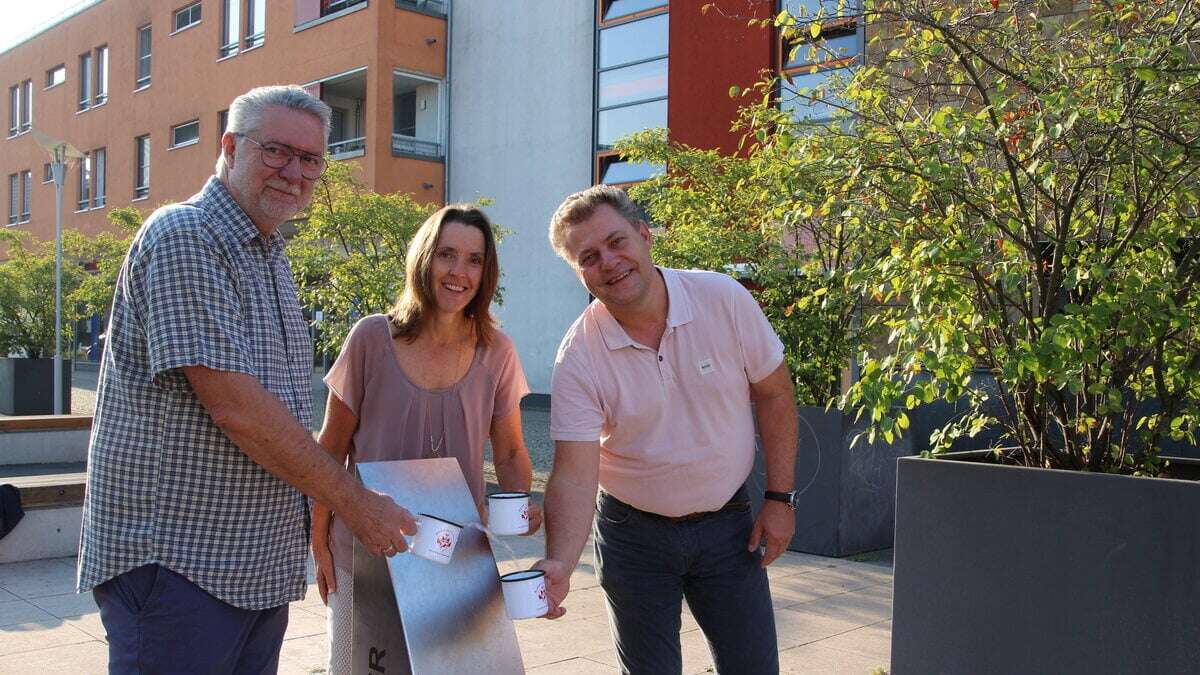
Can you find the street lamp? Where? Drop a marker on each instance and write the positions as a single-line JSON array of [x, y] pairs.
[[60, 152]]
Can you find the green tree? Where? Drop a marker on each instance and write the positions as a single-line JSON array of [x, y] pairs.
[[1033, 173], [89, 269]]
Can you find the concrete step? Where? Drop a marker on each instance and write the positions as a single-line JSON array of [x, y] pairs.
[[52, 497], [41, 439]]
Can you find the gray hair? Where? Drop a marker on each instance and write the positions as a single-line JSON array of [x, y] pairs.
[[246, 111], [579, 207]]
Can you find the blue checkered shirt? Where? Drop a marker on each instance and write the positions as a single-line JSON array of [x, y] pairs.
[[200, 287]]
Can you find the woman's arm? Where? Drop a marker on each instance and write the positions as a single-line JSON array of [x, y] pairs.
[[514, 470], [335, 437]]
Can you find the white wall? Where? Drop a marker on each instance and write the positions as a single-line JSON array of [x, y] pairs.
[[520, 133]]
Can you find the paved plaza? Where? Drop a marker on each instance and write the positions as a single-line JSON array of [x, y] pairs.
[[832, 615]]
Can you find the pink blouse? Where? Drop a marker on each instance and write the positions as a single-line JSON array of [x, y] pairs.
[[399, 420]]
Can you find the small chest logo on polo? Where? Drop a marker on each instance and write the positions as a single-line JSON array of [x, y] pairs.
[[706, 367]]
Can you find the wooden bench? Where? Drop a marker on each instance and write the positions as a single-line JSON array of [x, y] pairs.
[[51, 489], [45, 423]]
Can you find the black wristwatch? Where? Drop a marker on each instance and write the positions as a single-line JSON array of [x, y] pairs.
[[788, 498]]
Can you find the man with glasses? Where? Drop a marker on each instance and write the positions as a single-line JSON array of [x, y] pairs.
[[195, 525]]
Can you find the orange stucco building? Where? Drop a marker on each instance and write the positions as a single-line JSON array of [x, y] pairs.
[[142, 86]]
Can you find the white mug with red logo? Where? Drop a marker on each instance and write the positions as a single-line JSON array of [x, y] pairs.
[[525, 594], [508, 513], [435, 539]]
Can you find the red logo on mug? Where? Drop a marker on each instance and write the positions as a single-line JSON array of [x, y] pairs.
[[525, 512], [443, 540], [541, 591]]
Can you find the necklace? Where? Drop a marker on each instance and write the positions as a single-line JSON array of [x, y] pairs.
[[435, 448]]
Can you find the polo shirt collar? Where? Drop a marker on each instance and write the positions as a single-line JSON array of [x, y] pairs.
[[679, 312], [229, 217]]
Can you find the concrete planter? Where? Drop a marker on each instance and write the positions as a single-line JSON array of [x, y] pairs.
[[849, 504], [1002, 569], [27, 386]]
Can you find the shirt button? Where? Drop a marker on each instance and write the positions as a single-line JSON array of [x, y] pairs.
[[660, 357]]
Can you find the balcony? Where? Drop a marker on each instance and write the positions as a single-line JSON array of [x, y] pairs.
[[416, 116], [347, 96]]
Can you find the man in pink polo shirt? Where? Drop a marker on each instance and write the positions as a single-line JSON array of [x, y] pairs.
[[651, 402]]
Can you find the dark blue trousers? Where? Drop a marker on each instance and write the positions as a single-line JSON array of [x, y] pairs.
[[159, 622], [648, 564]]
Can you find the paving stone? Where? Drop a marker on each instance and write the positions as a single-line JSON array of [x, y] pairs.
[[800, 588], [816, 659], [860, 605], [576, 666], [795, 626], [304, 655], [544, 641], [86, 658], [16, 612], [36, 578], [303, 624], [874, 641], [858, 576], [67, 604], [26, 637], [90, 624]]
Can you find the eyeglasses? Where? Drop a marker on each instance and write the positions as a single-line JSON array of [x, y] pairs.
[[278, 155]]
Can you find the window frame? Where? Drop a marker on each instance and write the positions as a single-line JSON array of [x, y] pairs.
[[141, 167], [230, 43], [47, 173], [85, 81], [194, 17], [99, 178], [50, 83], [14, 110], [175, 129], [142, 81], [26, 196], [100, 97], [14, 198], [84, 186]]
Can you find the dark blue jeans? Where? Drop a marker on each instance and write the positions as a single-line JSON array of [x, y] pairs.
[[159, 622], [648, 564]]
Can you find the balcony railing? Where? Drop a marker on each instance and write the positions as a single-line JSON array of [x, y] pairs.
[[433, 6], [348, 146], [415, 146]]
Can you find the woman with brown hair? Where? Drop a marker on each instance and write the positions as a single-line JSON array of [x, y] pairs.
[[432, 378]]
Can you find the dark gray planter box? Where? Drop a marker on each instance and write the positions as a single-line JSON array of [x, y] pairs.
[[849, 504], [1002, 569], [27, 386]]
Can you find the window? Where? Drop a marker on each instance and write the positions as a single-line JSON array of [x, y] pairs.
[[143, 58], [230, 27], [85, 182], [187, 17], [631, 83], [141, 183], [811, 67], [26, 195], [101, 75], [416, 117], [47, 173], [187, 133], [99, 157], [616, 9], [14, 110], [14, 198], [26, 105], [330, 6], [430, 6], [256, 23], [85, 81], [222, 122], [616, 171], [56, 76]]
